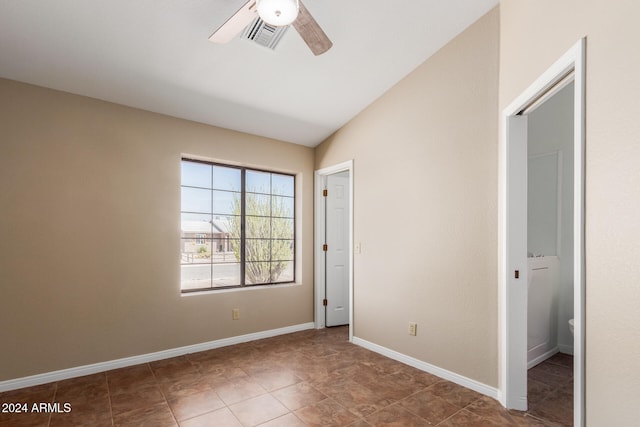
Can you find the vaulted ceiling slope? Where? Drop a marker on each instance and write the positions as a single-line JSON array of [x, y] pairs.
[[155, 55]]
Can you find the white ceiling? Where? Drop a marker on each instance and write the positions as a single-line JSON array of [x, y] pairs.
[[155, 55]]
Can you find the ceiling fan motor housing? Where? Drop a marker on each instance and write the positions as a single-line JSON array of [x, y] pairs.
[[278, 12]]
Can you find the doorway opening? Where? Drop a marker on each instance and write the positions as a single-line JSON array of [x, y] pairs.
[[516, 272], [334, 246]]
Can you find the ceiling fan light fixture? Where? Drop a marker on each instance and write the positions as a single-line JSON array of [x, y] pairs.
[[278, 12]]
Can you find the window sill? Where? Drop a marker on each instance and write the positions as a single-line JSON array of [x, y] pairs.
[[240, 289]]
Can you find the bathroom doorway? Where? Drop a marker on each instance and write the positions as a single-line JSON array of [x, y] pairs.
[[550, 256], [514, 260]]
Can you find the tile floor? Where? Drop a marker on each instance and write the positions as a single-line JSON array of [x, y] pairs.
[[309, 378], [550, 390]]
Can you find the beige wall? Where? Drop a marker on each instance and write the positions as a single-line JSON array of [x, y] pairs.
[[534, 33], [90, 227], [425, 196]]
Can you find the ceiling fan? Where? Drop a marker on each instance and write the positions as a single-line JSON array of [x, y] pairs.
[[276, 13]]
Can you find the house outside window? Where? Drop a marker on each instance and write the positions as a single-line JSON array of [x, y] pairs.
[[237, 226]]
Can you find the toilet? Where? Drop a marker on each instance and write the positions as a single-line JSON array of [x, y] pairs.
[[571, 326]]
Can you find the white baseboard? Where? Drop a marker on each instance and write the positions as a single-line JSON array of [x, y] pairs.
[[566, 349], [537, 360], [432, 369], [145, 358]]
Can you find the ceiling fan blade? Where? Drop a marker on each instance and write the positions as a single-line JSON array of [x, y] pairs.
[[235, 24], [311, 32]]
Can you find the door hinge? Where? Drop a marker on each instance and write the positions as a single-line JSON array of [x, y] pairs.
[[325, 247], [324, 302], [325, 192]]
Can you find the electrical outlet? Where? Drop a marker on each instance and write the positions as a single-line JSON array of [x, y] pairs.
[[413, 329], [235, 314]]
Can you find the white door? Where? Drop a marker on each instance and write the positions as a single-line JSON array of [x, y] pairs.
[[516, 263], [337, 253]]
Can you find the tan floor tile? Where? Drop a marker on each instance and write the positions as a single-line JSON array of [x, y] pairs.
[[550, 391], [557, 407], [454, 393], [94, 411], [298, 395], [185, 386], [554, 377], [25, 420], [93, 419], [288, 420], [28, 401], [158, 415], [88, 387], [139, 398], [258, 410], [359, 372], [491, 410], [429, 406], [195, 404], [30, 395], [326, 413], [234, 391], [393, 390], [536, 391], [464, 418], [131, 377], [396, 416], [173, 369], [362, 400], [524, 419], [413, 378], [562, 359], [221, 418], [275, 379]]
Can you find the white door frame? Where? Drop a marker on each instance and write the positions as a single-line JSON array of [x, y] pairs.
[[320, 267], [513, 358]]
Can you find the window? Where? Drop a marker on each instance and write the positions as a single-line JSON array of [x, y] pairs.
[[237, 227]]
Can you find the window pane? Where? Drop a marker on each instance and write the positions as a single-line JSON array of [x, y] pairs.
[[257, 272], [282, 206], [226, 250], [258, 182], [258, 204], [282, 228], [226, 275], [222, 223], [233, 224], [235, 248], [191, 225], [257, 250], [196, 200], [195, 276], [226, 202], [282, 185], [282, 250], [282, 272], [196, 250], [196, 174], [226, 178], [257, 227]]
